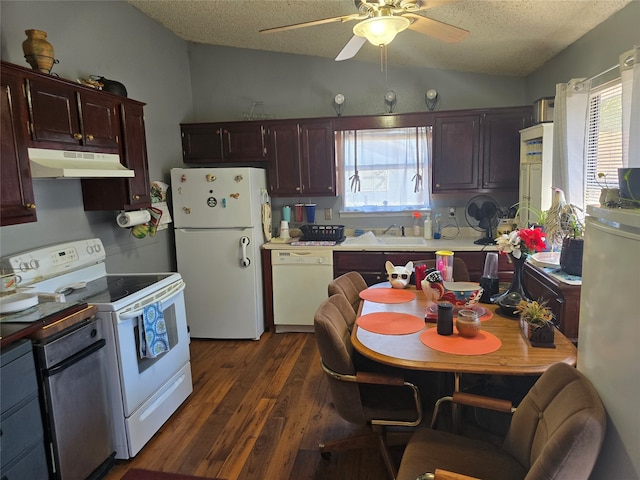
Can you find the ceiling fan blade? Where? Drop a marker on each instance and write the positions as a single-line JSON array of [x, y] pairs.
[[434, 28], [352, 47], [322, 21]]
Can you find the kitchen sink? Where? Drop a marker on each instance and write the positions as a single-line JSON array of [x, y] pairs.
[[370, 239], [402, 240]]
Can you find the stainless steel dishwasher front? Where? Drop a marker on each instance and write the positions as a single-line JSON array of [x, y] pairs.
[[300, 280]]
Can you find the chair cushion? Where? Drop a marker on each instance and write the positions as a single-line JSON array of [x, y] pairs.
[[430, 449]]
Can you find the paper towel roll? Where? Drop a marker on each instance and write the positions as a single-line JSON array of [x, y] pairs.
[[129, 219]]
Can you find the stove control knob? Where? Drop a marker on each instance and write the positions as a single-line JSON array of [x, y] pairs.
[[34, 264]]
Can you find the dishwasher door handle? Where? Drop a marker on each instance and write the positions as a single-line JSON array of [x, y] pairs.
[[73, 359]]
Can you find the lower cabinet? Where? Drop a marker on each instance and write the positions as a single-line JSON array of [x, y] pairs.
[[22, 444], [371, 264], [563, 299]]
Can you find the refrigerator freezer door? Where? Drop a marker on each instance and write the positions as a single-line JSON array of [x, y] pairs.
[[223, 296], [217, 197]]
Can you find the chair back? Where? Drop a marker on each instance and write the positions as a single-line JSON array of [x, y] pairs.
[[332, 325], [460, 271], [350, 285], [559, 426]]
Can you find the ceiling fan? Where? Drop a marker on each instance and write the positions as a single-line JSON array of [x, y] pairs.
[[379, 21]]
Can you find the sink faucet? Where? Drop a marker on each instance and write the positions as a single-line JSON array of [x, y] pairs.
[[389, 228]]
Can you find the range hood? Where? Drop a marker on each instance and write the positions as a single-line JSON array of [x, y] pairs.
[[46, 163]]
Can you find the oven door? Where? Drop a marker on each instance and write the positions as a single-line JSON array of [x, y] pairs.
[[140, 377]]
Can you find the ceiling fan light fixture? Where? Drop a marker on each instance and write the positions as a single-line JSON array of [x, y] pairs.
[[381, 30]]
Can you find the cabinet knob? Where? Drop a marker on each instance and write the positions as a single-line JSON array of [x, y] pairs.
[[89, 137], [438, 185], [218, 132], [330, 188], [31, 206], [77, 136], [136, 197], [297, 189]]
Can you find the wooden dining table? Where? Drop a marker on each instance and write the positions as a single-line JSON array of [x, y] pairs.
[[515, 356]]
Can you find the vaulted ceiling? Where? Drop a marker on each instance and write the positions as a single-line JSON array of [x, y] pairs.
[[507, 37]]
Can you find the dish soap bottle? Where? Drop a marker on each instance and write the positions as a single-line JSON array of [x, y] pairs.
[[436, 232], [428, 230]]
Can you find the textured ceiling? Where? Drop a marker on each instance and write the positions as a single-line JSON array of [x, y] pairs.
[[507, 37]]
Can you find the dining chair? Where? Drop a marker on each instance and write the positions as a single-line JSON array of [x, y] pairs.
[[555, 433], [360, 397], [460, 271], [350, 285]]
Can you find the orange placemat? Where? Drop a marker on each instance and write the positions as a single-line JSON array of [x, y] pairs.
[[390, 323], [481, 344], [387, 295], [432, 314]]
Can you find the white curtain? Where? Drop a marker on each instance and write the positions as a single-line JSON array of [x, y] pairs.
[[630, 76], [569, 130]]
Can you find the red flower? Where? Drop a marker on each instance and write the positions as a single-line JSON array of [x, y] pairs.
[[533, 239]]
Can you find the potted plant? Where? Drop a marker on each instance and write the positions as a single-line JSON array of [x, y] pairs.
[[572, 244], [536, 323]]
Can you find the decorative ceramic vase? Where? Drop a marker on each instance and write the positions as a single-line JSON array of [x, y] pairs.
[[571, 256], [38, 51], [516, 292]]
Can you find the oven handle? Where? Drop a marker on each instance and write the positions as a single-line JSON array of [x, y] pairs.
[[84, 353], [137, 313]]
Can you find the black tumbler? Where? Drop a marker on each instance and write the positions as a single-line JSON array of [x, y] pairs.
[[490, 286], [444, 324]]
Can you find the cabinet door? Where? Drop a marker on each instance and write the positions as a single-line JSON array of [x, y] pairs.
[[100, 123], [317, 159], [124, 193], [135, 155], [284, 165], [456, 147], [501, 149], [243, 142], [16, 191], [53, 111], [201, 143]]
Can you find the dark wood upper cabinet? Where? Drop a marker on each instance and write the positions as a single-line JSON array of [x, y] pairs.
[[16, 192], [478, 150], [63, 115], [44, 111], [301, 158], [223, 142], [124, 193], [456, 152], [501, 147]]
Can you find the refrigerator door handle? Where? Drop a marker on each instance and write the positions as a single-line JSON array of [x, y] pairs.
[[245, 261]]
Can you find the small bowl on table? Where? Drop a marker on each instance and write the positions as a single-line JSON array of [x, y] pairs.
[[468, 323]]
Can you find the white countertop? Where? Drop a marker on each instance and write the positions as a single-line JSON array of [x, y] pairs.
[[457, 245]]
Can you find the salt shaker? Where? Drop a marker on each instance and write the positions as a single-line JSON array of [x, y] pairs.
[[444, 324]]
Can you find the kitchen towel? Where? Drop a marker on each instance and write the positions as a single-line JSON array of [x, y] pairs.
[[152, 330]]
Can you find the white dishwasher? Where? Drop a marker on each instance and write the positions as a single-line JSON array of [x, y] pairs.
[[300, 279]]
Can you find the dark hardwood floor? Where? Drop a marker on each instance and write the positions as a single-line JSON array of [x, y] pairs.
[[259, 409]]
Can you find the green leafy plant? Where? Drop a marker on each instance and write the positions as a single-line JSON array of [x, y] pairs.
[[535, 313]]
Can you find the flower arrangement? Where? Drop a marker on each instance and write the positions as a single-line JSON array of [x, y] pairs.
[[522, 241]]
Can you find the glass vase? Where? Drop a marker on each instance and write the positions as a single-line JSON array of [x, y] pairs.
[[516, 292]]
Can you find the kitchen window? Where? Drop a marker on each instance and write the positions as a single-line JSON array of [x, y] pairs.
[[384, 170], [604, 146]]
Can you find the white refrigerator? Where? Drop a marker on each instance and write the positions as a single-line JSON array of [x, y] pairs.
[[609, 335], [217, 215]]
